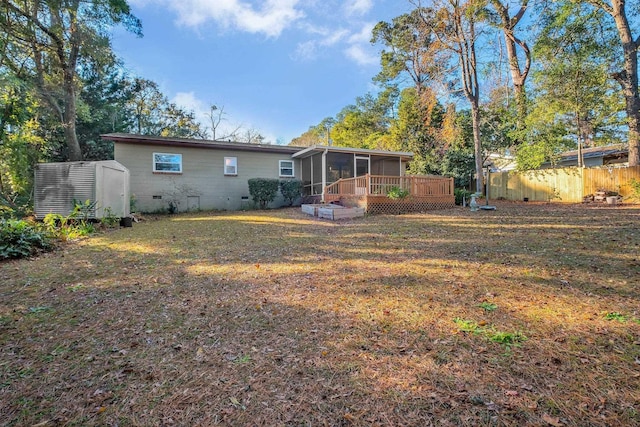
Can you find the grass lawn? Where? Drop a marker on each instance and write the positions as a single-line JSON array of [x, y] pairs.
[[529, 315]]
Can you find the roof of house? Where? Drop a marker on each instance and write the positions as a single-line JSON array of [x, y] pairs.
[[315, 149], [295, 152], [594, 152], [197, 143]]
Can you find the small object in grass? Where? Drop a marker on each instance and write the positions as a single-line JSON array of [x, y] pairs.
[[616, 316], [476, 400], [487, 306], [552, 421]]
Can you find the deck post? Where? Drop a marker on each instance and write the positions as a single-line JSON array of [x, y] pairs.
[[324, 173]]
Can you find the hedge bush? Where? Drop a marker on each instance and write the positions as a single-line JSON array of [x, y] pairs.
[[19, 238], [263, 190], [462, 194], [291, 189]]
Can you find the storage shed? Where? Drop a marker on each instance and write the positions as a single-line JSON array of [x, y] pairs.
[[59, 186]]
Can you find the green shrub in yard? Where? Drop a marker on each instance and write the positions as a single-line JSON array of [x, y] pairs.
[[397, 193], [19, 238], [291, 189], [462, 194], [263, 190]]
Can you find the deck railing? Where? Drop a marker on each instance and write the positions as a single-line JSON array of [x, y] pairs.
[[370, 185]]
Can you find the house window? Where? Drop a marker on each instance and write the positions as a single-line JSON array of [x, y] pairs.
[[167, 162], [231, 166], [286, 168]]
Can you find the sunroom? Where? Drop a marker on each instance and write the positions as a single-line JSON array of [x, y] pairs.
[[365, 178], [324, 165]]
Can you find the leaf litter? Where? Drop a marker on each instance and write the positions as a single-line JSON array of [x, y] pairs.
[[272, 318]]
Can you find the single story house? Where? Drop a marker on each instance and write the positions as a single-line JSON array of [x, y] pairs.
[[192, 174], [592, 157]]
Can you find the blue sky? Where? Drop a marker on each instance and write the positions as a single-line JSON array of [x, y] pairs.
[[277, 66]]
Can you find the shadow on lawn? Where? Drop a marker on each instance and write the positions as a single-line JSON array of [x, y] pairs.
[[280, 320]]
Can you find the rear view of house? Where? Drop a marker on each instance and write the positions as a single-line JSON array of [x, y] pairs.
[[189, 174]]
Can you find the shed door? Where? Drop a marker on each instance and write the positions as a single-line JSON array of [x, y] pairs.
[[113, 191]]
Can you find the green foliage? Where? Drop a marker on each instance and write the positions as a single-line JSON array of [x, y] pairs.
[[291, 189], [67, 227], [109, 220], [635, 187], [616, 316], [365, 124], [397, 193], [20, 238], [133, 203], [462, 194], [487, 306], [508, 339], [83, 210], [576, 97], [76, 224], [263, 190]]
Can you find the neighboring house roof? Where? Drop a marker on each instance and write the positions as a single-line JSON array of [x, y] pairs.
[[500, 162], [295, 152], [609, 151], [315, 149], [198, 143]]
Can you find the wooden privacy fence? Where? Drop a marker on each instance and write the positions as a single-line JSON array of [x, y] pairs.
[[569, 185]]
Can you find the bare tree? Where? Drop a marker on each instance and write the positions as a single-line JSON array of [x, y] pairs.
[[216, 116]]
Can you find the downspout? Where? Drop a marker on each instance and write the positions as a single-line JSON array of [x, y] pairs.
[[324, 171]]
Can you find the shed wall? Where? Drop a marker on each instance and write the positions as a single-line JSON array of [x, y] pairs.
[[59, 186]]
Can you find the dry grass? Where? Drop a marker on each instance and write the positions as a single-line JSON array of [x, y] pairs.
[[274, 318]]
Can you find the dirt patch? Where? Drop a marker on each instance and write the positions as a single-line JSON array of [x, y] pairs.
[[527, 315]]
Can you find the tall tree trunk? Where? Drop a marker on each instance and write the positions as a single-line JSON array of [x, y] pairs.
[[518, 74], [69, 73], [477, 146], [69, 117], [628, 77]]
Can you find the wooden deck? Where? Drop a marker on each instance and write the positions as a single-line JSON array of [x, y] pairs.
[[370, 192]]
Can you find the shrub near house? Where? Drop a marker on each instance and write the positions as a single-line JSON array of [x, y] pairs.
[[263, 190]]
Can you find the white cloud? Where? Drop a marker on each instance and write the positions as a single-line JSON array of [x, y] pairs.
[[364, 35], [359, 7], [306, 51], [190, 102], [358, 54], [334, 37], [310, 49], [270, 18]]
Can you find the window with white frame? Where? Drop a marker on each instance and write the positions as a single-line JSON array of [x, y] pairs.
[[286, 168], [167, 162], [231, 166]]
